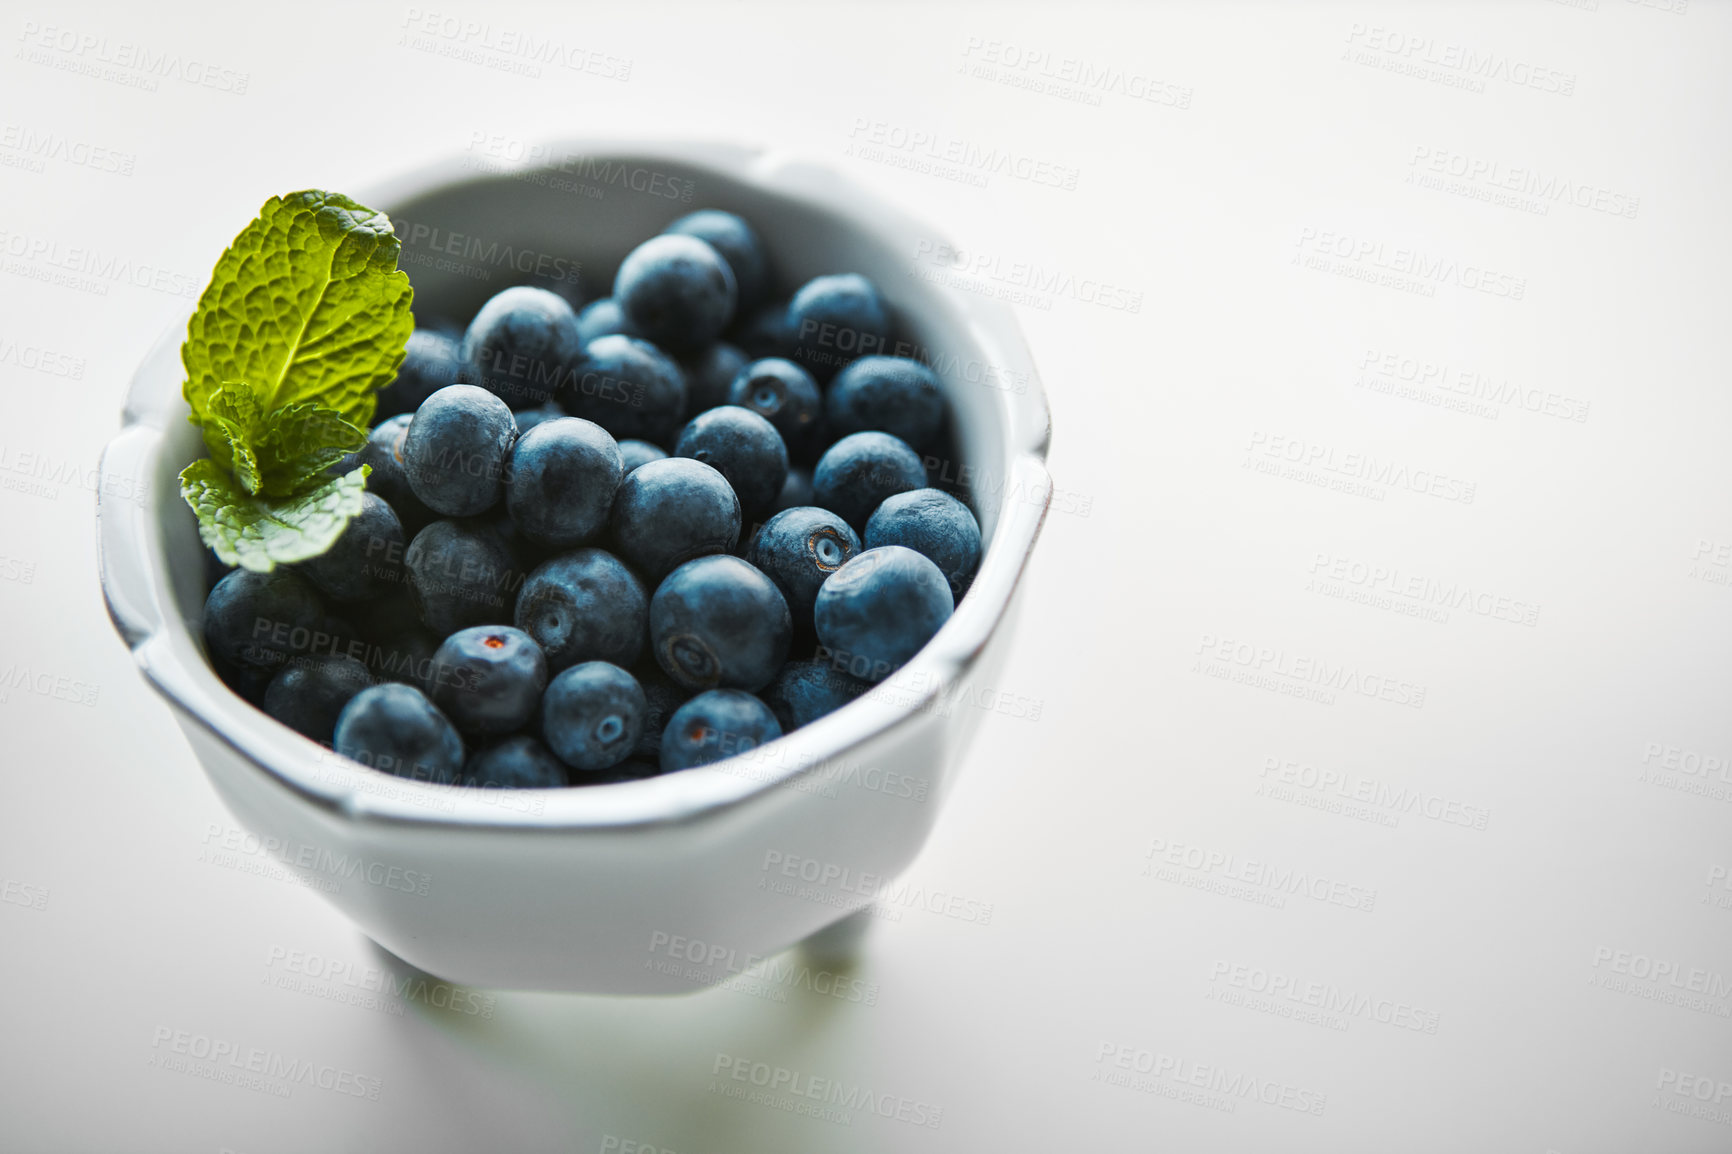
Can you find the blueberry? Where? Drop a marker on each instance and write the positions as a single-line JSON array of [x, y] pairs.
[[519, 344], [856, 473], [766, 333], [796, 490], [584, 606], [668, 512], [716, 725], [804, 691], [709, 375], [933, 524], [628, 387], [525, 554], [782, 393], [603, 318], [455, 451], [461, 574], [247, 682], [798, 549], [879, 609], [745, 448], [431, 361], [395, 729], [488, 679], [384, 453], [663, 695], [309, 693], [835, 319], [516, 762], [634, 453], [719, 622], [592, 715], [893, 395], [260, 620], [677, 291], [738, 244], [366, 560], [527, 419], [396, 644], [563, 476], [562, 283]]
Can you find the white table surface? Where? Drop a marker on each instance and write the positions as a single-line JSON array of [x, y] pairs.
[[1472, 897]]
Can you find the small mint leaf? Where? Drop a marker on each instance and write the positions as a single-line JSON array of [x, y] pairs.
[[231, 422], [302, 441], [230, 447], [235, 402], [260, 533]]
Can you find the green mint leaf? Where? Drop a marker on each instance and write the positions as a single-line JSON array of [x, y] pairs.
[[303, 440], [259, 533], [230, 419], [306, 304], [235, 402], [230, 446]]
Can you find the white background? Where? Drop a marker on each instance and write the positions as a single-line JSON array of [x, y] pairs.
[[1574, 955]]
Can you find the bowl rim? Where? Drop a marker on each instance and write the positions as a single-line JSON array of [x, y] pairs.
[[141, 604]]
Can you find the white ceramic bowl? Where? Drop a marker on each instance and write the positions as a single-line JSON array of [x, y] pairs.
[[656, 886]]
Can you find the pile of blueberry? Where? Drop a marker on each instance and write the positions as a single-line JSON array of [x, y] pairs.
[[602, 545]]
